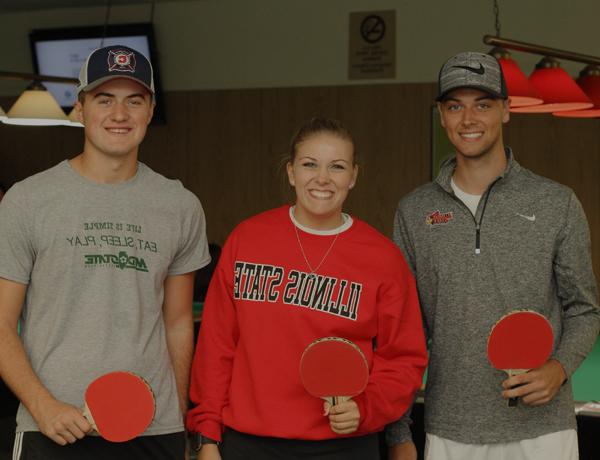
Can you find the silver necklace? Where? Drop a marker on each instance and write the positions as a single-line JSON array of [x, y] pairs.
[[312, 274]]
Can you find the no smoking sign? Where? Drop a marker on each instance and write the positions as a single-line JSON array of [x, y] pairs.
[[372, 45]]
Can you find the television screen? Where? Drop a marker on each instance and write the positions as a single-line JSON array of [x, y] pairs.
[[62, 52]]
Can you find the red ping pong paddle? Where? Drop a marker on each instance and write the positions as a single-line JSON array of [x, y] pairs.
[[520, 341], [334, 369], [119, 406]]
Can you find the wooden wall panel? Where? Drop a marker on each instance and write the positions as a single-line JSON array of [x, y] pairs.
[[211, 143], [392, 128], [229, 148]]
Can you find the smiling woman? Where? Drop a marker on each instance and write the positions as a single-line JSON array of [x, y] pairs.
[[322, 169], [288, 277]]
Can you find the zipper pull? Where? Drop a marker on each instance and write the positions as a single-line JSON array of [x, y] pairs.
[[477, 240]]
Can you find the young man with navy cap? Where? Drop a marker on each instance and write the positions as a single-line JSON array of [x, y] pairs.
[[485, 238], [97, 260]]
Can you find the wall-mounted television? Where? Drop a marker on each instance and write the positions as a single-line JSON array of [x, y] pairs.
[[62, 52]]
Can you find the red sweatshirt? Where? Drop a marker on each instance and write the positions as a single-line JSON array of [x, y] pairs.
[[261, 312]]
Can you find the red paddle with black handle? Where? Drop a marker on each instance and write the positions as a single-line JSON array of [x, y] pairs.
[[520, 341], [334, 369]]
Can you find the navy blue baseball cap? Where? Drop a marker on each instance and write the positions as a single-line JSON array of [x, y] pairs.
[[115, 61]]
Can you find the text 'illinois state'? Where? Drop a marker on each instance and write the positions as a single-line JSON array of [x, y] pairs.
[[266, 283]]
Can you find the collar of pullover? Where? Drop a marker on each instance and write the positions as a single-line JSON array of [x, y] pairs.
[[447, 170]]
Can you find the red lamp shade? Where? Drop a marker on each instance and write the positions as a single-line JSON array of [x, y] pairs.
[[520, 90], [558, 90], [589, 82]]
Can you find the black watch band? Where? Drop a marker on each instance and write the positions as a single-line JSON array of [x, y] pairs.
[[202, 440]]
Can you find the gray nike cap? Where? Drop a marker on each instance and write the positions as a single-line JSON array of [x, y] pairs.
[[472, 70]]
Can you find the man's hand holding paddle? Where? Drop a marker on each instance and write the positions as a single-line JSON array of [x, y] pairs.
[[118, 405], [538, 386], [61, 422], [520, 344]]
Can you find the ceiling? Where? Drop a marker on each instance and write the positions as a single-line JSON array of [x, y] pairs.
[[7, 6]]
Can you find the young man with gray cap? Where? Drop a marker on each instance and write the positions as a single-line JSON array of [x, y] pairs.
[[97, 259], [485, 238]]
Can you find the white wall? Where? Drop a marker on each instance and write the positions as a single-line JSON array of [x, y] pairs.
[[211, 44]]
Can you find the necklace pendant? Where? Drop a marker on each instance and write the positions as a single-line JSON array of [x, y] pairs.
[[312, 275]]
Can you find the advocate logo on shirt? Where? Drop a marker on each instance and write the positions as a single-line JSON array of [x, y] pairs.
[[438, 218], [121, 261]]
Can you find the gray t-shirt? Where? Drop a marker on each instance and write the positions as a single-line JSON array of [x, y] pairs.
[[95, 258]]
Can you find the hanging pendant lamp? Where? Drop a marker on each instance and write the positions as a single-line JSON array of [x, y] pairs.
[[36, 107], [589, 82], [558, 90], [521, 92]]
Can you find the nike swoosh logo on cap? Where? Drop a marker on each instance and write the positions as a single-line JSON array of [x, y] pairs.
[[476, 70]]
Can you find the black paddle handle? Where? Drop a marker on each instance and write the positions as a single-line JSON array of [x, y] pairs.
[[512, 402]]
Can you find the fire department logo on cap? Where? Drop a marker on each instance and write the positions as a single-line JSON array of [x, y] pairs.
[[116, 61], [121, 61]]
